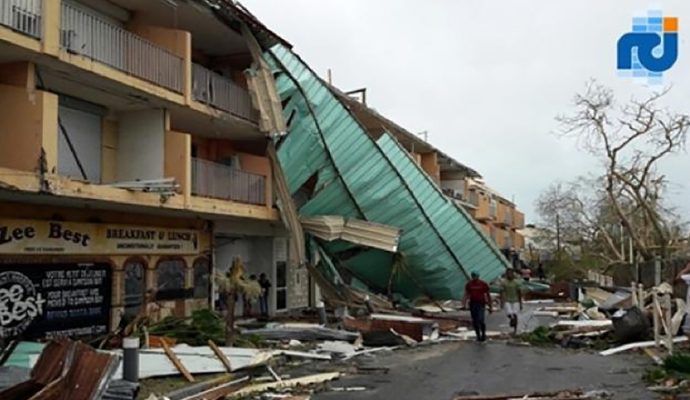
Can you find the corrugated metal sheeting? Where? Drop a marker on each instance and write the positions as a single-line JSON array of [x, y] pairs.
[[333, 227], [328, 154]]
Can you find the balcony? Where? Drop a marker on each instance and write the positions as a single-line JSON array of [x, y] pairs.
[[210, 179], [493, 208], [507, 240], [518, 220], [23, 16], [220, 92], [98, 39], [474, 198], [508, 218]]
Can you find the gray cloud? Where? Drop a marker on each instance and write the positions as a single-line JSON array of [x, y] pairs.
[[485, 78]]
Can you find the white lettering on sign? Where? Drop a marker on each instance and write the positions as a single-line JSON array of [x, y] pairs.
[[19, 303]]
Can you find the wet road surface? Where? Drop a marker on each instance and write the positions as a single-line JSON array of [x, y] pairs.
[[443, 370]]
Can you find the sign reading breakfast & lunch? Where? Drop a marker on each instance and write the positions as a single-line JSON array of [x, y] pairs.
[[35, 237]]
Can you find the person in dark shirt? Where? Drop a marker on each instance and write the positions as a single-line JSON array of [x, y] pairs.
[[477, 294], [540, 272], [265, 289]]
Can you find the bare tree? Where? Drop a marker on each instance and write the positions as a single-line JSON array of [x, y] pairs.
[[630, 140], [584, 217]]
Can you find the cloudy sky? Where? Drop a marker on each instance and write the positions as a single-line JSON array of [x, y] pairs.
[[485, 78]]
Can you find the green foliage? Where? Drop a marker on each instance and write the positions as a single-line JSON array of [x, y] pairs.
[[204, 325], [678, 362], [567, 268], [654, 375], [541, 336]]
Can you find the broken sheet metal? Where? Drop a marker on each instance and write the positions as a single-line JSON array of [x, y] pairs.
[[66, 370], [338, 169], [198, 360], [334, 227]]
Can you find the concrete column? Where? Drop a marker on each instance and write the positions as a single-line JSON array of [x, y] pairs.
[[49, 130], [50, 26]]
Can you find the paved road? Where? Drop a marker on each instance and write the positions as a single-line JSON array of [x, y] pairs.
[[438, 372]]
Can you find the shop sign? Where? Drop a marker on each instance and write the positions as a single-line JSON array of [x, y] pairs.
[[49, 300], [56, 237]]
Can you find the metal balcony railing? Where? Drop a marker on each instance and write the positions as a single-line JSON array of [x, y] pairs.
[[474, 198], [507, 241], [220, 181], [92, 36], [220, 92], [22, 16]]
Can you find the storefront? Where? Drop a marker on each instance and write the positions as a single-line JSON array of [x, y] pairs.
[[79, 278]]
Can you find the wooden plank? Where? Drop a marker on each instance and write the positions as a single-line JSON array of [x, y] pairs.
[[302, 381], [220, 355], [176, 361]]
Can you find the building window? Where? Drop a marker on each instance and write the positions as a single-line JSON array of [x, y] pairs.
[[202, 282], [171, 279], [135, 286]]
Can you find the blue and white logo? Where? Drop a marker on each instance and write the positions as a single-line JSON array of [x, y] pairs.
[[650, 49]]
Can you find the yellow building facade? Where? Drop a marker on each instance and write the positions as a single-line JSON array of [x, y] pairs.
[[129, 148]]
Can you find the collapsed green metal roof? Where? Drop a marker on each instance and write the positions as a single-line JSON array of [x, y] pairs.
[[356, 176]]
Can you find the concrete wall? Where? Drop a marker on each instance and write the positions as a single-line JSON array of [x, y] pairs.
[[109, 150], [18, 74], [178, 147], [141, 145], [430, 165], [28, 122]]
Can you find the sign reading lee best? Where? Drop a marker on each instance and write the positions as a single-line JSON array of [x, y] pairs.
[[56, 237]]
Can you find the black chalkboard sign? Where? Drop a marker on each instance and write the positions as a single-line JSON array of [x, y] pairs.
[[49, 300]]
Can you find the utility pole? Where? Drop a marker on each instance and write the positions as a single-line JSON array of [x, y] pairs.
[[622, 244], [558, 238]]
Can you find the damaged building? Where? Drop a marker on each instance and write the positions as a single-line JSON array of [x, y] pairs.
[[146, 145], [336, 165], [133, 162]]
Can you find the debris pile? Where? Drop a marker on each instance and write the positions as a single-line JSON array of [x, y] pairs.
[[179, 358]]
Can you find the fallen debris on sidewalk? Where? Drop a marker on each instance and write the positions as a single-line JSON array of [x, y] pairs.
[[302, 332], [285, 384], [638, 345], [419, 329], [66, 370], [197, 360]]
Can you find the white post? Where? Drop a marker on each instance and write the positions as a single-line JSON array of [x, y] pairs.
[[655, 312], [669, 323], [657, 270]]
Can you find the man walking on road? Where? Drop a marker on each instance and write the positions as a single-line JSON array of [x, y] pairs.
[[511, 299], [477, 293]]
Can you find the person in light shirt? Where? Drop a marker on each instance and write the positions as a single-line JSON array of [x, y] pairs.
[[511, 298]]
